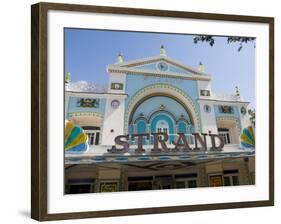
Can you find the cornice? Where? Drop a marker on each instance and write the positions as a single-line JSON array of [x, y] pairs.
[[149, 60], [133, 71]]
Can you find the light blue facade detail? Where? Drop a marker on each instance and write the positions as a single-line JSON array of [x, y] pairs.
[[164, 117], [235, 112], [171, 68], [136, 82], [73, 106], [153, 104]]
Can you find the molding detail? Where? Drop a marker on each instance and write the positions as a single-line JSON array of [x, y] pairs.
[[76, 114], [230, 118]]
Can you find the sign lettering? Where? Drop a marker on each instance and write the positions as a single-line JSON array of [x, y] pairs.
[[161, 139]]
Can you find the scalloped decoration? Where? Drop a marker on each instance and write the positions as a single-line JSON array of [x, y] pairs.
[[248, 138], [75, 140]]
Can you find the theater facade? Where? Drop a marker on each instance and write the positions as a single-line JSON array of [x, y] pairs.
[[157, 95]]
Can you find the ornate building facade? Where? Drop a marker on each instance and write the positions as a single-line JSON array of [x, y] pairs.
[[156, 95]]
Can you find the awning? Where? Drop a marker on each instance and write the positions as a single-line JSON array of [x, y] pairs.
[[132, 158]]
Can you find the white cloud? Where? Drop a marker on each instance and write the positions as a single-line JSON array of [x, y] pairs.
[[84, 86]]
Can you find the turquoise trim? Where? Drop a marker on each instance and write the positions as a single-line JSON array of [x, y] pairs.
[[131, 129], [182, 127], [162, 116], [141, 127]]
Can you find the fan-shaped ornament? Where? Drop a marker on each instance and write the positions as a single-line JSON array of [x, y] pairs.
[[248, 138], [75, 140]]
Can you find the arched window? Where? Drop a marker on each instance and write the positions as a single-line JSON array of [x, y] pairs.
[[141, 127], [182, 127]]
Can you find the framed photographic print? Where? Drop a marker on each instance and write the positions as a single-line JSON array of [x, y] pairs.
[[139, 111]]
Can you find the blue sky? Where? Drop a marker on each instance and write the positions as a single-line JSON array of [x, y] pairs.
[[87, 52]]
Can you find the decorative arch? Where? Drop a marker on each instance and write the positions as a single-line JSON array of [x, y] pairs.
[[163, 89], [233, 119], [86, 118], [167, 117], [159, 111], [233, 126], [164, 120], [140, 118], [182, 119]]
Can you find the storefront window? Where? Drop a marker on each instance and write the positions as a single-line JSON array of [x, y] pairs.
[[140, 183], [79, 186], [78, 189], [109, 186], [186, 180], [180, 184], [215, 180], [192, 183], [231, 177], [226, 181], [235, 180]]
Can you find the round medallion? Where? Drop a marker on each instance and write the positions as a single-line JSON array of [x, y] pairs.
[[115, 104], [243, 110], [162, 66], [207, 108]]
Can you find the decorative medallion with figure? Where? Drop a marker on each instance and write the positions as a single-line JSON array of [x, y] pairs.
[[115, 104], [162, 66]]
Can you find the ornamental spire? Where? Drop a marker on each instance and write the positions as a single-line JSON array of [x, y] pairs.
[[201, 67], [119, 58], [67, 80], [237, 91], [67, 77], [162, 51]]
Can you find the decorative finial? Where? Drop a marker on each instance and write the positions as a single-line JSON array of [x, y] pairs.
[[162, 107], [201, 67], [237, 91], [162, 51], [67, 81], [67, 77], [119, 58]]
